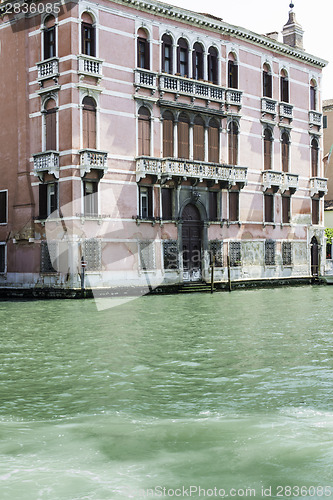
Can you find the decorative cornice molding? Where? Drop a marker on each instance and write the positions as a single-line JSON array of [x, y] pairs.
[[206, 22]]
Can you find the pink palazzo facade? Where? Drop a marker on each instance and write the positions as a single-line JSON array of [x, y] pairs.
[[149, 141]]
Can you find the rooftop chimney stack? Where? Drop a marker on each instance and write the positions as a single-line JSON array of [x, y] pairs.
[[292, 31]]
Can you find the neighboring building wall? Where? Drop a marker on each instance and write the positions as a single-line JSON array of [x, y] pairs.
[[328, 143], [87, 135]]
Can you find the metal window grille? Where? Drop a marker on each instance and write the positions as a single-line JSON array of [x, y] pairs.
[[270, 253], [147, 255], [235, 253], [92, 253], [286, 253], [216, 250], [170, 254], [49, 254]]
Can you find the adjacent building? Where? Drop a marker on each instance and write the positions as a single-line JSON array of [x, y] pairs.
[[149, 141]]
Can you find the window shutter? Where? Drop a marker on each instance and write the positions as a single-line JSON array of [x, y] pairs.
[[213, 145], [314, 160], [42, 201], [198, 142], [312, 98], [54, 199], [267, 152], [315, 211], [213, 205], [167, 138], [183, 140], [150, 201], [92, 129], [233, 206], [51, 133], [285, 209], [3, 207], [166, 204], [269, 215], [144, 137], [233, 145]]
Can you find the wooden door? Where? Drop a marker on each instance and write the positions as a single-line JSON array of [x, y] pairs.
[[191, 235]]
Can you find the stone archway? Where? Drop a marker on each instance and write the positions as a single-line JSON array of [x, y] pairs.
[[192, 243]]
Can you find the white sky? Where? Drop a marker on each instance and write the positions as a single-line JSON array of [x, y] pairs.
[[264, 16]]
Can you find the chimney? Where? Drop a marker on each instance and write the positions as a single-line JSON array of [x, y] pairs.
[[292, 31], [274, 35]]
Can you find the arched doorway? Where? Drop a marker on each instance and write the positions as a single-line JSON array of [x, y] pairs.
[[314, 257], [191, 239]]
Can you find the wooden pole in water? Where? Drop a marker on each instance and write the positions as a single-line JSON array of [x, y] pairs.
[[229, 273], [212, 275]]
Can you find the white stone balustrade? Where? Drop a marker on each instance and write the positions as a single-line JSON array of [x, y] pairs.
[[46, 162], [93, 159], [145, 78], [315, 118], [268, 105], [272, 179], [90, 66], [48, 69], [180, 85], [187, 169], [286, 110], [234, 97], [290, 182], [318, 185]]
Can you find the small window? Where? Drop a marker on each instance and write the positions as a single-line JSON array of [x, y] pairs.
[[213, 205], [284, 87], [48, 199], [182, 57], [268, 153], [88, 36], [142, 49], [144, 132], [212, 65], [216, 252], [233, 206], [49, 38], [167, 59], [170, 254], [197, 61], [285, 152], [267, 81], [285, 209], [146, 202], [324, 121], [313, 95], [213, 142], [183, 136], [198, 139], [3, 256], [314, 157], [233, 143], [168, 127], [89, 123], [50, 125], [235, 253], [270, 253], [286, 253], [269, 207], [90, 193], [315, 211], [232, 73], [3, 207], [167, 203], [92, 254]]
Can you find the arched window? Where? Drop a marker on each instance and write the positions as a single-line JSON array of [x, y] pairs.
[[182, 57], [183, 136], [144, 132], [167, 59], [49, 38], [267, 81], [89, 123], [268, 141], [213, 142], [212, 65], [50, 125], [197, 61], [313, 95], [142, 49], [284, 86], [168, 124], [198, 139], [88, 41], [233, 143], [232, 72], [285, 152], [314, 157]]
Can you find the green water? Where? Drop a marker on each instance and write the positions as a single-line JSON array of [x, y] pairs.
[[230, 391]]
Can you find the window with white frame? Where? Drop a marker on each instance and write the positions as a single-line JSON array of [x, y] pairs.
[[90, 197], [48, 199], [88, 35], [145, 202], [49, 38]]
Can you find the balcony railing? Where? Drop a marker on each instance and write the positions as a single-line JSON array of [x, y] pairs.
[[93, 159], [48, 69], [272, 179], [286, 111], [189, 169], [318, 185], [315, 118], [145, 78], [186, 86], [234, 97], [268, 105], [290, 182], [46, 162], [90, 66]]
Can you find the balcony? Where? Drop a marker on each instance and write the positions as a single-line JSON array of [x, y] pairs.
[[89, 66], [318, 185], [290, 182], [48, 69], [233, 97], [286, 111], [93, 159], [168, 168], [46, 162], [268, 106], [193, 88], [143, 78], [315, 118], [272, 179]]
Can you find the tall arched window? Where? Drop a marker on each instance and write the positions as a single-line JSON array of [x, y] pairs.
[[143, 49], [183, 136], [284, 86], [213, 142], [197, 62], [198, 139], [267, 81], [232, 72], [233, 143], [285, 152], [167, 59], [50, 125], [182, 57], [268, 149], [212, 65], [49, 38], [314, 158], [88, 39], [313, 95], [168, 123], [144, 132], [89, 123]]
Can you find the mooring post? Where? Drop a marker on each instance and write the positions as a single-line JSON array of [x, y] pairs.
[[212, 275], [229, 273], [83, 268]]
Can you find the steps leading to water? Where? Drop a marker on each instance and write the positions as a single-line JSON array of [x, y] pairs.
[[196, 286]]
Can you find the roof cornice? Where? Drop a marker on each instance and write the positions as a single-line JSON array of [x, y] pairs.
[[206, 22]]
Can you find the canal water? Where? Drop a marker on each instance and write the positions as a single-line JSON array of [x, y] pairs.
[[161, 396]]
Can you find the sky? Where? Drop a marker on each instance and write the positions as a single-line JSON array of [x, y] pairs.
[[264, 16]]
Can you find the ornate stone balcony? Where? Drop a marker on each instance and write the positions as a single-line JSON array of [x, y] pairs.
[[146, 79], [272, 179], [286, 110], [233, 97], [268, 106], [93, 159], [290, 182], [315, 118], [47, 161], [89, 66], [48, 69], [318, 185], [168, 168], [194, 88]]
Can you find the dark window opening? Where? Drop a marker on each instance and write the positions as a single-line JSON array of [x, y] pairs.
[[90, 193], [313, 98], [233, 206], [314, 157], [146, 202], [182, 57], [285, 152], [167, 203], [268, 141], [143, 53], [197, 62], [2, 258], [48, 199], [232, 75], [267, 83], [285, 209], [49, 42], [212, 65], [269, 207], [167, 59], [235, 253], [315, 211], [88, 40], [284, 88], [233, 143], [213, 205], [3, 207]]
